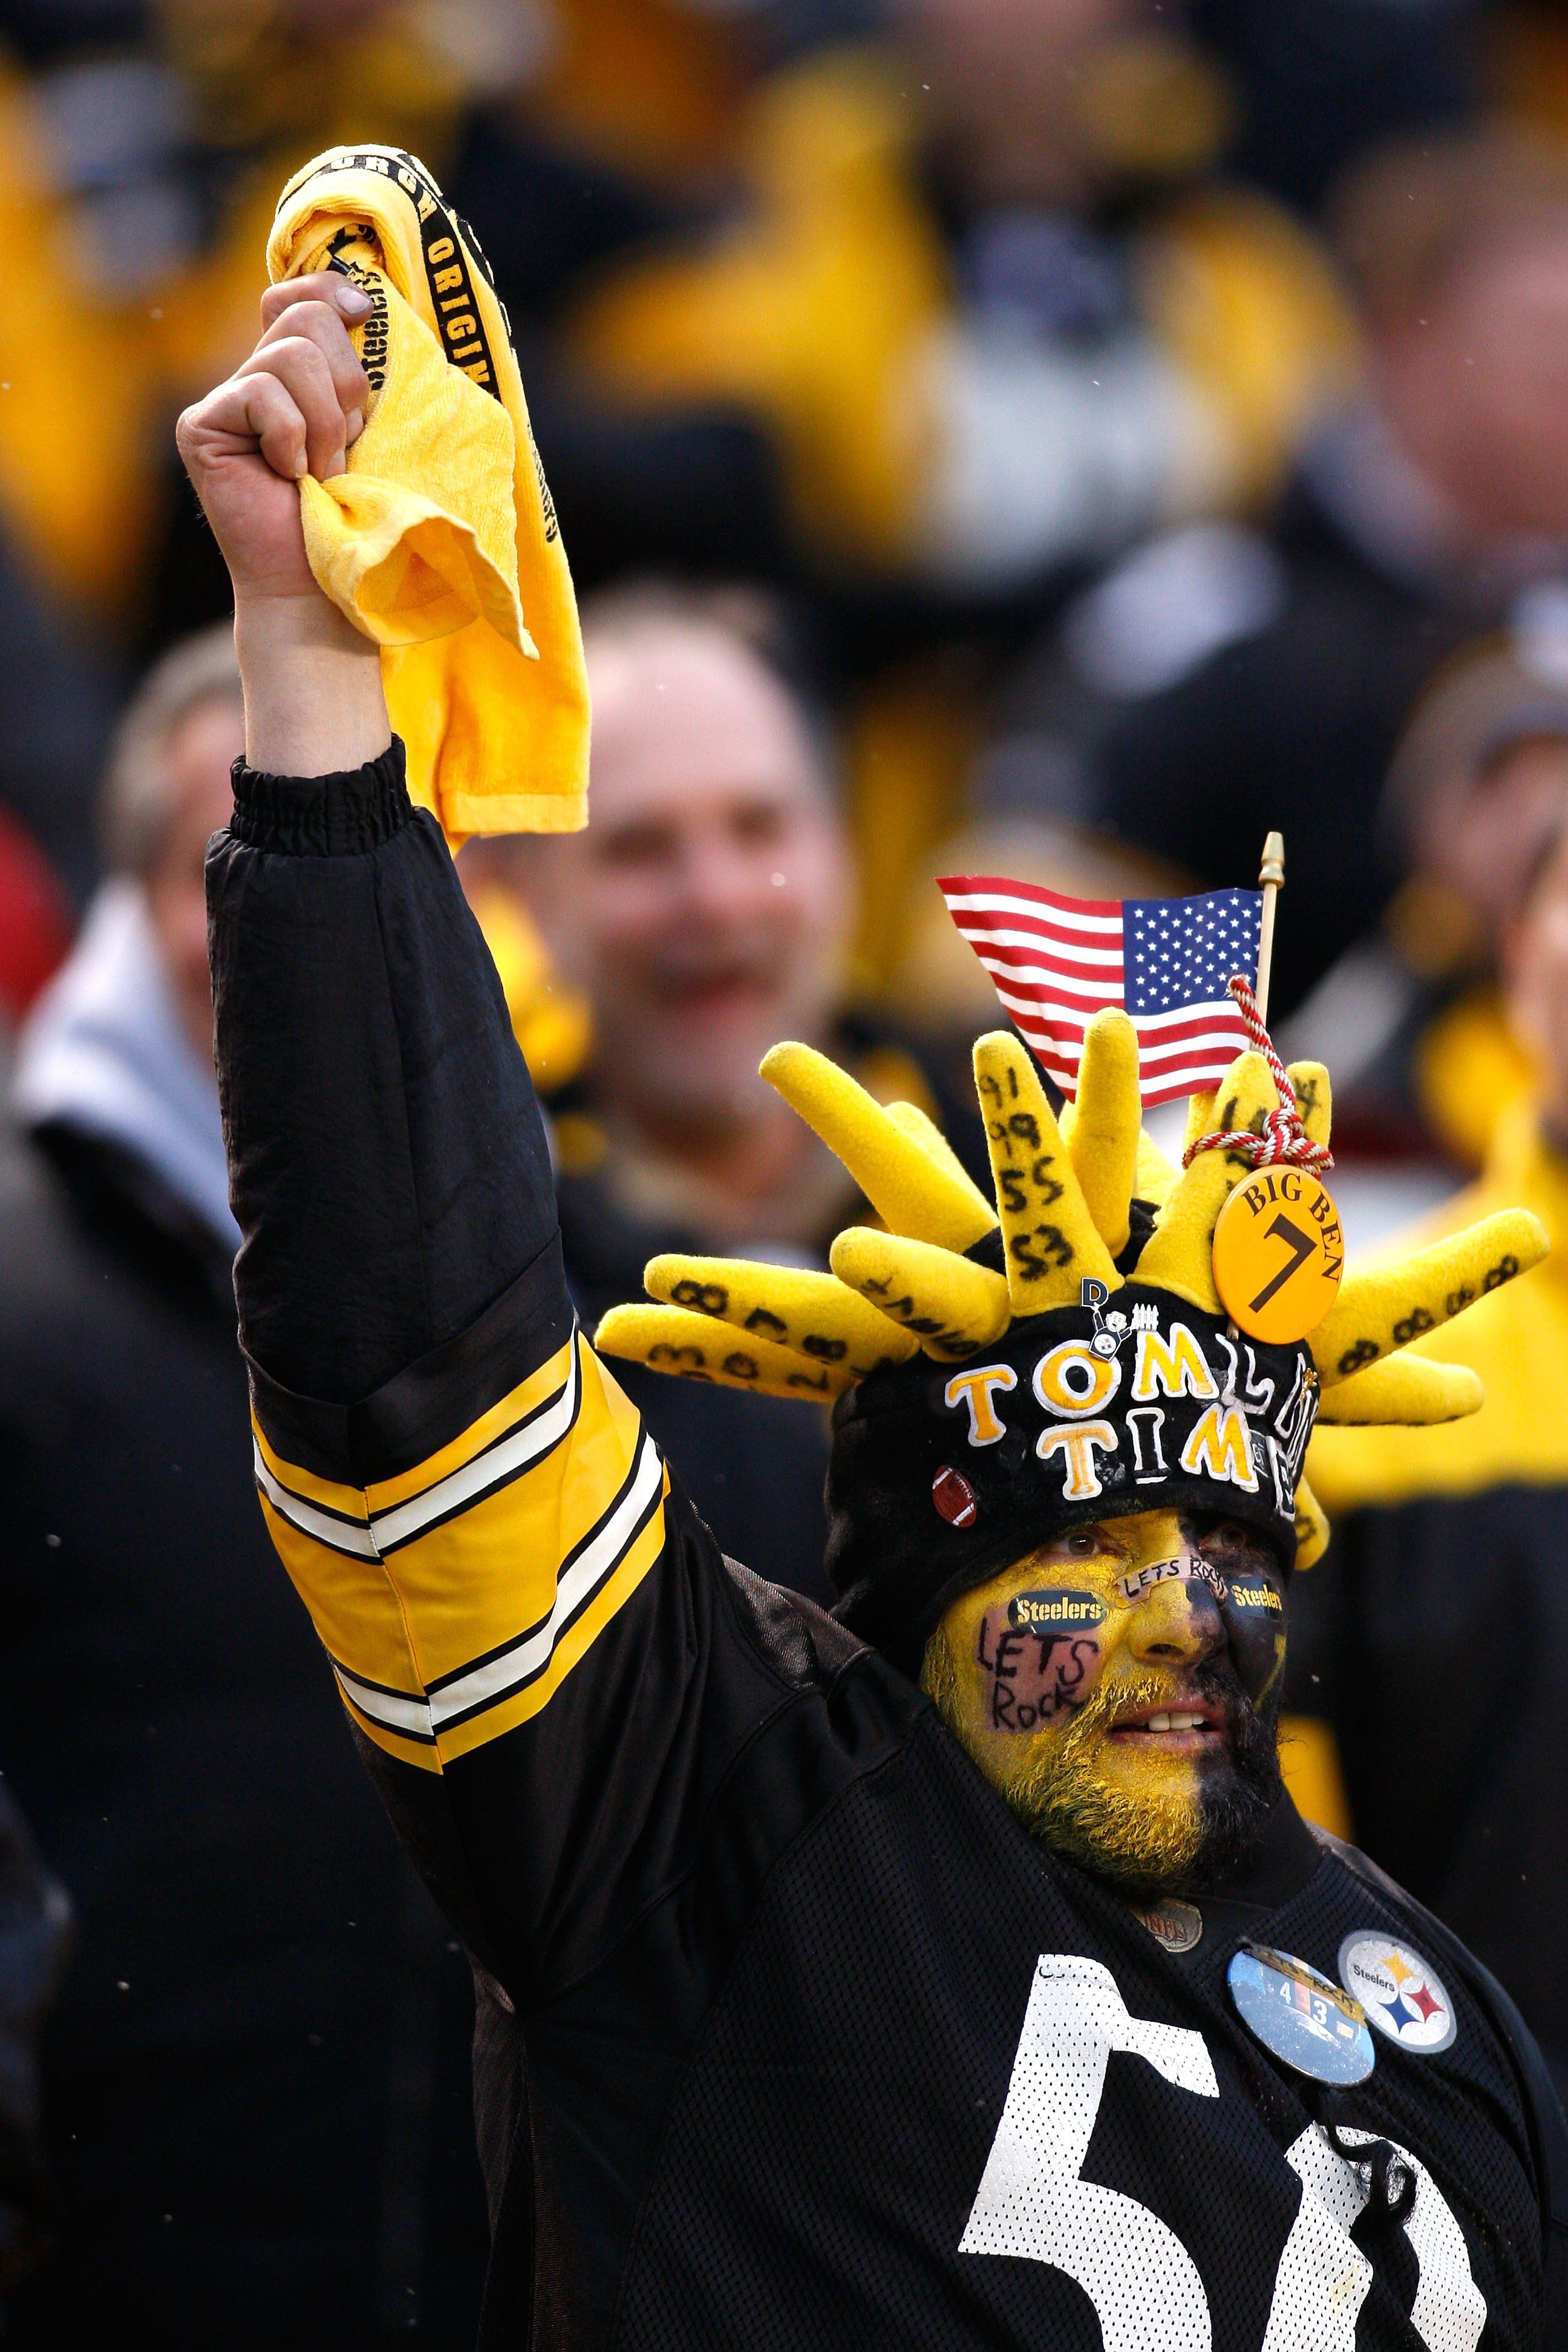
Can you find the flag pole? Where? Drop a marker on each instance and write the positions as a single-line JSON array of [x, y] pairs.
[[1271, 881]]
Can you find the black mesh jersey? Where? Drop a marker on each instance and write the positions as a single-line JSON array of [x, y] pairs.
[[790, 2035]]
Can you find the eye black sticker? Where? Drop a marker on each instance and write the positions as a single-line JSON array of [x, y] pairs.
[[1259, 1598], [1055, 1612], [1133, 1586]]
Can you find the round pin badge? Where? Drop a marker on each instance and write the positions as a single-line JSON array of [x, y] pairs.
[[1402, 1994], [1306, 2021], [1178, 1926], [1279, 1254]]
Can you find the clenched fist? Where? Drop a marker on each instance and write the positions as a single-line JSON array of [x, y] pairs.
[[313, 701], [293, 408]]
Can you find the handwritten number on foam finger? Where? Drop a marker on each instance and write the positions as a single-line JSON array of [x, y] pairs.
[[1145, 2288]]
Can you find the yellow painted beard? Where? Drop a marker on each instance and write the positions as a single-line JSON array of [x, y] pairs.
[[1142, 1825]]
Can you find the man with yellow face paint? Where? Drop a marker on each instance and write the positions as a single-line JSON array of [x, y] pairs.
[[813, 2013], [1120, 1685]]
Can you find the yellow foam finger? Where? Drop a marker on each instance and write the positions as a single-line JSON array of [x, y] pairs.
[[1411, 1389], [1388, 1306], [1200, 1118], [924, 1130], [811, 1314], [1179, 1253], [1048, 1235], [1314, 1098], [1103, 1125], [948, 1304], [1155, 1179], [1312, 1528], [698, 1348], [911, 1189]]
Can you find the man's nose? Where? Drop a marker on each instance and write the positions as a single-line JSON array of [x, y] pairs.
[[1176, 1623], [725, 885]]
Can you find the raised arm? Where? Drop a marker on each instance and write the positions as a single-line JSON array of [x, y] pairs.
[[388, 1165], [463, 1496]]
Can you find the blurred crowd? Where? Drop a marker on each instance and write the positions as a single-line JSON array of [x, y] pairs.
[[1065, 438]]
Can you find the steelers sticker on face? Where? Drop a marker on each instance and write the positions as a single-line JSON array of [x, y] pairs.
[[1303, 2019], [1279, 1254], [1056, 1612], [1402, 1994]]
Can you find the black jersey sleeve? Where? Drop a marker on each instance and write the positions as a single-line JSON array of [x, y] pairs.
[[484, 1533], [388, 1165]]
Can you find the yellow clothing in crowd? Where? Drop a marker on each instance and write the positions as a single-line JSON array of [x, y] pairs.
[[1432, 1643], [87, 407], [440, 540], [820, 309], [1517, 1340]]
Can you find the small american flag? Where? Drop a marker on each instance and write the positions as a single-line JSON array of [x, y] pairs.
[[1057, 961]]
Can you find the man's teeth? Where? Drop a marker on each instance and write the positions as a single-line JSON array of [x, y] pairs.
[[1176, 1723]]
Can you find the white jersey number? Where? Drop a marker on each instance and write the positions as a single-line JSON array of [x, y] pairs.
[[1145, 2286], [1324, 2271], [1143, 2282]]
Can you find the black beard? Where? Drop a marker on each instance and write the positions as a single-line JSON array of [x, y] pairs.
[[1248, 1782], [1236, 1791]]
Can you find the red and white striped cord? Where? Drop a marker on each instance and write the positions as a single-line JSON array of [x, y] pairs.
[[1282, 1139]]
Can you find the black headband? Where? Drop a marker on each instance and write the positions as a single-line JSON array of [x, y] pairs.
[[941, 1476]]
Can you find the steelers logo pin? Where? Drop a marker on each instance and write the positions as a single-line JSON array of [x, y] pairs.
[[1303, 2019], [1402, 1994], [1279, 1254]]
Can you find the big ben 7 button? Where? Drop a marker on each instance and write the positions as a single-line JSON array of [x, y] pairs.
[[1279, 1254]]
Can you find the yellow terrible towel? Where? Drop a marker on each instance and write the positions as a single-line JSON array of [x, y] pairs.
[[441, 535]]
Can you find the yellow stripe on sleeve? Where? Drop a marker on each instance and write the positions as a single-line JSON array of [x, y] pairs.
[[454, 1599], [572, 1647], [515, 1406], [322, 1534]]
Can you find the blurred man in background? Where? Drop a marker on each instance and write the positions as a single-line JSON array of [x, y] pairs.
[[1220, 682], [1416, 1013], [997, 316], [704, 914], [1407, 1637], [257, 2076], [928, 308]]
